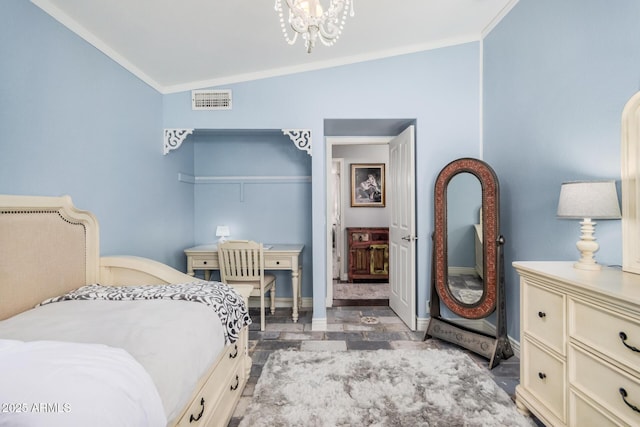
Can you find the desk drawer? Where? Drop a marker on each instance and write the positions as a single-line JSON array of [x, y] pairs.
[[277, 263], [203, 263]]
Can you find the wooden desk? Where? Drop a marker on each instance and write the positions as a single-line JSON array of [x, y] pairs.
[[276, 257]]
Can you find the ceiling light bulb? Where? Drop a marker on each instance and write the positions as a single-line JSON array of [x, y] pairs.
[[311, 7]]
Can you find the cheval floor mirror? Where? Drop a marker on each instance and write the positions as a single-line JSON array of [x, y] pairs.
[[467, 190]]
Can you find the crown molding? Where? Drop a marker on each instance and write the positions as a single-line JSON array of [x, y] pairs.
[[95, 41], [498, 18], [320, 65]]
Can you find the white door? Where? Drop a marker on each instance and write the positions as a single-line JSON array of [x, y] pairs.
[[402, 238]]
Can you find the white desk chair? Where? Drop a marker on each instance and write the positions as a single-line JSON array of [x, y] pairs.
[[242, 261]]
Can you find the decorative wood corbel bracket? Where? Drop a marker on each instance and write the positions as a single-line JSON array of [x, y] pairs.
[[173, 138], [301, 138]]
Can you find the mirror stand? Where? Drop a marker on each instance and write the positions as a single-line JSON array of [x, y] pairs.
[[494, 347]]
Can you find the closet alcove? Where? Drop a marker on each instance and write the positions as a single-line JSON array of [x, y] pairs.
[[257, 182]]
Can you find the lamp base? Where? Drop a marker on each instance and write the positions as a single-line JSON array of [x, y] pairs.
[[584, 266], [587, 246]]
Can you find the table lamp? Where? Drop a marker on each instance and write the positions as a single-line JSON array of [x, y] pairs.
[[222, 231], [588, 200]]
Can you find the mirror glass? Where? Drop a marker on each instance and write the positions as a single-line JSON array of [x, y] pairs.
[[464, 238]]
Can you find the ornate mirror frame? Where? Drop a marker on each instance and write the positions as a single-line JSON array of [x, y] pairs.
[[490, 206], [630, 155], [494, 347]]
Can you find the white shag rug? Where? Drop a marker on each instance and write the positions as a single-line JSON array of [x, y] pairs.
[[434, 388]]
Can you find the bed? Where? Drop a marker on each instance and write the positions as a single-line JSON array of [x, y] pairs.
[[90, 340]]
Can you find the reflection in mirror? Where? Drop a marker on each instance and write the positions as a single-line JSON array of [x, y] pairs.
[[464, 238]]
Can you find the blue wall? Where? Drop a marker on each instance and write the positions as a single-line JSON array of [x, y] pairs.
[[556, 78], [438, 88], [74, 122]]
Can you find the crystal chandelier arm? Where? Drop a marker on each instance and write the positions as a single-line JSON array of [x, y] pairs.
[[333, 21], [307, 19]]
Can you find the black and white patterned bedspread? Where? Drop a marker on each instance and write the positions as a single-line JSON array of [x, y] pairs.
[[223, 299]]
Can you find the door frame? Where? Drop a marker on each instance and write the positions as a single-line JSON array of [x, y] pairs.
[[330, 142], [339, 240]]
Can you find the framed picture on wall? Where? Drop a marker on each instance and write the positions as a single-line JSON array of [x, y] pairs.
[[367, 185]]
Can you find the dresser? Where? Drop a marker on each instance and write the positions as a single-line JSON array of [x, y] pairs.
[[579, 345], [368, 249]]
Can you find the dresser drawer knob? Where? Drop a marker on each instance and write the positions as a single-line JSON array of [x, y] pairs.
[[204, 262], [623, 337], [542, 375], [624, 395], [542, 314]]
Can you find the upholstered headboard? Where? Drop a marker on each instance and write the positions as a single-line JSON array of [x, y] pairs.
[[47, 247]]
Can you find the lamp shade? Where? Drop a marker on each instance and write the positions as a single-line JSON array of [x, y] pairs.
[[222, 231], [589, 199]]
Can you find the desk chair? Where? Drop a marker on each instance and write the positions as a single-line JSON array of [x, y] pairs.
[[242, 261]]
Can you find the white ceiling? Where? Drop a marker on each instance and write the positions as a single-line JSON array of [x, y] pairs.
[[178, 45]]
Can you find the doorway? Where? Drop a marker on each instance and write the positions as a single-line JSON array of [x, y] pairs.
[[338, 287], [356, 230]]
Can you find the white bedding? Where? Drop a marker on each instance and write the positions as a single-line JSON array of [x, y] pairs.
[[48, 383], [159, 334]]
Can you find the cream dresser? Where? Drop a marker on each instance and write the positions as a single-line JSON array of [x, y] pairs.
[[579, 345]]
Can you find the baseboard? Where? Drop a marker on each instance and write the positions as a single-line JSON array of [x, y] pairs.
[[319, 324], [422, 323]]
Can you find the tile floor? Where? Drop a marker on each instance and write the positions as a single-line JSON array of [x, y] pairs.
[[349, 328]]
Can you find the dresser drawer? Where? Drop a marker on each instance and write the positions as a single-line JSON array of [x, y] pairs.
[[544, 376], [544, 316], [602, 331], [602, 383], [360, 236], [584, 414]]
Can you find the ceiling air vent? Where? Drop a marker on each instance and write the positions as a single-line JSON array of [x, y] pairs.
[[211, 99]]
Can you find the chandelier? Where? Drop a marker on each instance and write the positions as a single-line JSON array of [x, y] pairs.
[[308, 18]]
